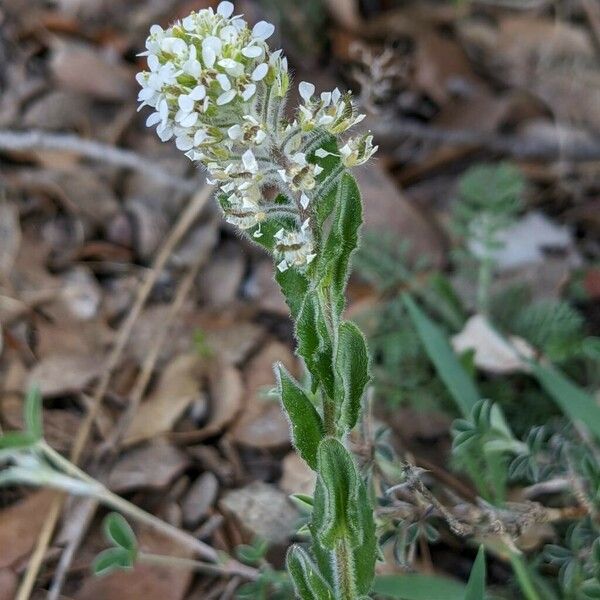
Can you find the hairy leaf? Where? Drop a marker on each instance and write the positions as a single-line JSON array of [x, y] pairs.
[[308, 582], [336, 511], [294, 286], [314, 343], [352, 367], [306, 424], [334, 259]]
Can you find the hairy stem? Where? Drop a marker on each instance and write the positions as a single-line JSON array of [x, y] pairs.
[[344, 565]]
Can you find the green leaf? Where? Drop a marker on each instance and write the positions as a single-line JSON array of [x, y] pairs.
[[414, 586], [306, 424], [33, 413], [314, 343], [112, 559], [578, 405], [336, 512], [476, 585], [294, 286], [119, 532], [15, 439], [352, 367], [308, 582], [334, 259], [342, 514], [459, 384]]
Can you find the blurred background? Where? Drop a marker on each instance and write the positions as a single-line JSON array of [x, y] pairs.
[[125, 296]]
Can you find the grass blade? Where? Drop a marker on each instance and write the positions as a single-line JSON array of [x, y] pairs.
[[459, 384]]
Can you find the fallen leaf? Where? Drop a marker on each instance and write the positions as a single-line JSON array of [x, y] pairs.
[[20, 526], [226, 390], [386, 209], [152, 466], [199, 499], [8, 584], [233, 342], [10, 236], [221, 278], [179, 385], [297, 477], [60, 374], [84, 69], [262, 424], [493, 353]]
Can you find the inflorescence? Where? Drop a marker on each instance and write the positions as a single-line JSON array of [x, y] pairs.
[[219, 90]]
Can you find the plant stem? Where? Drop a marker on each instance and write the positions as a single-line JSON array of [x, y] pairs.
[[192, 565], [108, 498], [484, 283], [345, 571]]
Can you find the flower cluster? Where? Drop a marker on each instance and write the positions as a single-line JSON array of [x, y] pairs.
[[217, 88]]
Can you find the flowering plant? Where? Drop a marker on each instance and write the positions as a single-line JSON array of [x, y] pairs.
[[220, 92]]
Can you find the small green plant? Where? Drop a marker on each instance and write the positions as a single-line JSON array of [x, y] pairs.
[[220, 92], [489, 199]]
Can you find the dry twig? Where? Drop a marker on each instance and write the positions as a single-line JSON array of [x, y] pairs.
[[65, 142]]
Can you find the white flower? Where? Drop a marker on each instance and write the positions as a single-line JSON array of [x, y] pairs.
[[207, 78]]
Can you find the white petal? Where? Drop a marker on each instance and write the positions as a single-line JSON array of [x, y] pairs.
[[235, 132], [184, 142], [322, 153], [260, 72], [306, 90], [224, 82], [252, 51], [226, 98], [189, 23], [282, 266], [304, 201], [283, 174], [279, 234], [163, 109], [209, 56], [189, 120], [326, 98], [156, 30], [225, 9], [310, 258], [199, 137], [165, 132], [146, 94], [263, 30], [186, 103], [153, 119], [212, 42], [153, 62], [249, 91], [198, 93], [249, 161]]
